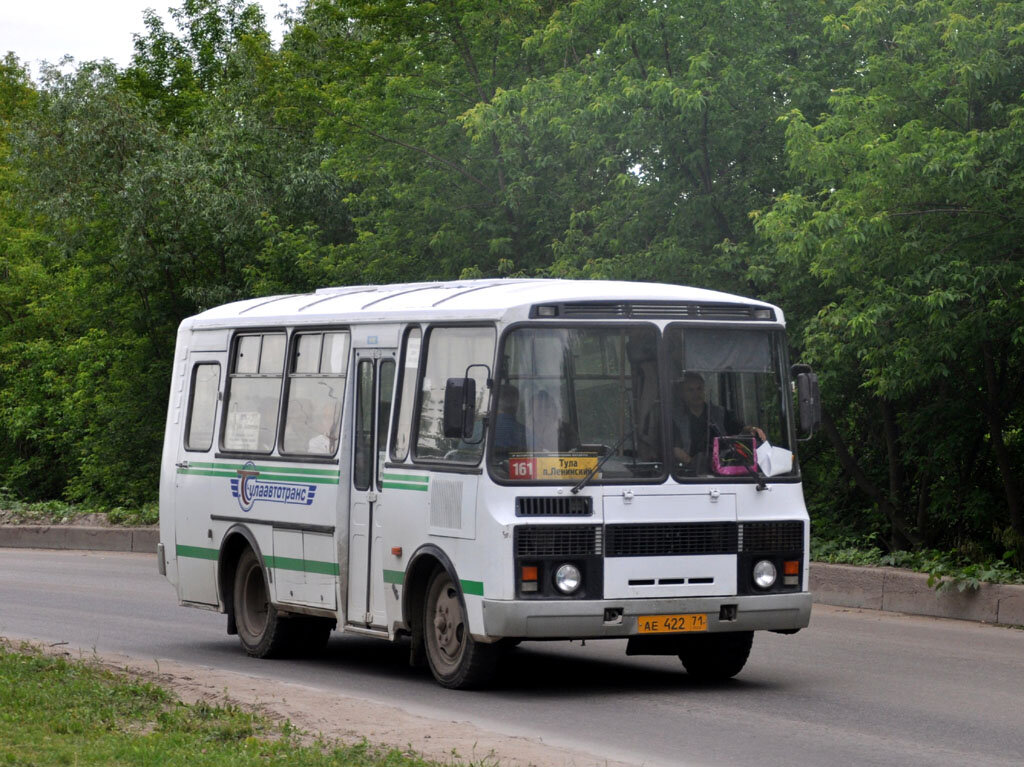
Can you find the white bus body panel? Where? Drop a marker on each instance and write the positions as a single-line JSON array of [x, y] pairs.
[[465, 516]]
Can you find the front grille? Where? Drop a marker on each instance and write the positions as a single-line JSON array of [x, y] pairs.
[[557, 540], [771, 536], [665, 540], [572, 506], [656, 540]]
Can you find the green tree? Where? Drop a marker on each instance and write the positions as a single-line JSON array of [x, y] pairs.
[[151, 197], [652, 132], [904, 229], [392, 82]]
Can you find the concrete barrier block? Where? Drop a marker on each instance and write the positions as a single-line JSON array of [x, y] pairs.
[[908, 592], [99, 538], [847, 586], [145, 540], [33, 537], [1011, 605]]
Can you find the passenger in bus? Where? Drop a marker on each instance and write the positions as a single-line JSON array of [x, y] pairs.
[[326, 426], [549, 432], [696, 422], [509, 432]]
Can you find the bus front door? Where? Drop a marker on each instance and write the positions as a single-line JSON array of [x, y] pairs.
[[375, 385]]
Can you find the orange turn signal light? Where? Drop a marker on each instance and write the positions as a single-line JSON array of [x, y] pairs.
[[791, 568], [529, 573], [396, 551]]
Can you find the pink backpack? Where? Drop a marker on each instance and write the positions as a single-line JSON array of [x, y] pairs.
[[734, 455]]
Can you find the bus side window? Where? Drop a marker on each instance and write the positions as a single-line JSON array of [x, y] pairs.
[[316, 384], [403, 414], [452, 352], [202, 406], [254, 393]]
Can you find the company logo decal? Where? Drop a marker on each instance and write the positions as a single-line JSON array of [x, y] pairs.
[[249, 488]]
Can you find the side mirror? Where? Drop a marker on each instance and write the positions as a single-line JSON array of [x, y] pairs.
[[459, 405], [808, 397]]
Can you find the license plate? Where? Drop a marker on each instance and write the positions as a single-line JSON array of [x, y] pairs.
[[670, 624]]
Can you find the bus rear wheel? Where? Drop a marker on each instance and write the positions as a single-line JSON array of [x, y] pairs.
[[261, 629], [456, 660], [715, 657]]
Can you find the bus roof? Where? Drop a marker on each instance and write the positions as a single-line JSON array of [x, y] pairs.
[[486, 299]]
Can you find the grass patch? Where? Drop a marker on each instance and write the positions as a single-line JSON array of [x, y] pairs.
[[945, 569], [18, 512], [61, 712]]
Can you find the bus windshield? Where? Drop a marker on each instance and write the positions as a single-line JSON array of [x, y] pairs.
[[568, 398], [728, 403], [572, 399]]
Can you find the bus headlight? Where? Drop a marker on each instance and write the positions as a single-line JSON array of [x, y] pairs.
[[765, 574], [568, 578]]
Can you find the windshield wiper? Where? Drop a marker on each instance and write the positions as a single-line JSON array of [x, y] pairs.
[[590, 474], [754, 470]]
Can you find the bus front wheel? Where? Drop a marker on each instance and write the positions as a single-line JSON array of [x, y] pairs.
[[455, 658], [261, 630], [715, 657]]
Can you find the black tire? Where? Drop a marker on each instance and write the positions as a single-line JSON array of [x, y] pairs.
[[716, 657], [456, 660], [261, 629]]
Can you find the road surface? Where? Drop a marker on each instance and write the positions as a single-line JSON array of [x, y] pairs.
[[857, 687]]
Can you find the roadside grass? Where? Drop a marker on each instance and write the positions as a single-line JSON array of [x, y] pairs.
[[55, 711], [18, 512], [945, 569]]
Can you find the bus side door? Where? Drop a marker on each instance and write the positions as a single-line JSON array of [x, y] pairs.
[[374, 394], [198, 485]]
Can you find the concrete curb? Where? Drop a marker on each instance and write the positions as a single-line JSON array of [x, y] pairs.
[[872, 588], [904, 591], [141, 539]]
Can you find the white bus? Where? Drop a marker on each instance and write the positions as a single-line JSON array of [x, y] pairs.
[[476, 463]]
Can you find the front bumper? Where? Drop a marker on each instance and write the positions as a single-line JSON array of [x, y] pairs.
[[610, 618]]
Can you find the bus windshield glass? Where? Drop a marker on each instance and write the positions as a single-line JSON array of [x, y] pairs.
[[727, 403], [601, 400], [568, 398]]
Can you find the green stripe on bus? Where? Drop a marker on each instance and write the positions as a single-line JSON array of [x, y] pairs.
[[476, 588], [278, 563], [322, 568], [394, 576], [278, 469], [420, 478], [418, 482], [294, 478], [302, 565], [402, 486], [299, 479], [196, 552]]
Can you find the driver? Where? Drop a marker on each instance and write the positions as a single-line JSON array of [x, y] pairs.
[[695, 422]]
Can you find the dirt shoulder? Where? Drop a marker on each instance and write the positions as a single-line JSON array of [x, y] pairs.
[[334, 717]]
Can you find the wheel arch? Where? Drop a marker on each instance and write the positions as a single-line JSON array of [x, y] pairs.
[[236, 540], [427, 559]]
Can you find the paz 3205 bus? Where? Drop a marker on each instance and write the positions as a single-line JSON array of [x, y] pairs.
[[476, 463]]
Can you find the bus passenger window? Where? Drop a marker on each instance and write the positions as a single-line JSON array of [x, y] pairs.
[[316, 383], [450, 353], [254, 395], [403, 414], [202, 406]]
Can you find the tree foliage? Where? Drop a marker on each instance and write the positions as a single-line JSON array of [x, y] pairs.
[[857, 162], [903, 229]]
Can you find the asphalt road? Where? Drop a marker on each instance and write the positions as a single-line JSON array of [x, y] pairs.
[[857, 687]]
